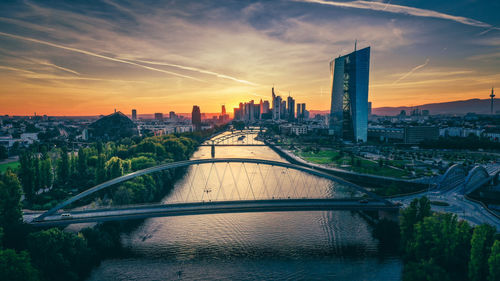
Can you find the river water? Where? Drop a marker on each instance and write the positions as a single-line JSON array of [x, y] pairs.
[[323, 245]]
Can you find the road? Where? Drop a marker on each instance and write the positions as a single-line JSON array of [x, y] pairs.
[[465, 209]]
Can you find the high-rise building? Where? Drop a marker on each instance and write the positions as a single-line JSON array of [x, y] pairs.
[[223, 110], [282, 110], [159, 116], [276, 106], [369, 108], [134, 114], [172, 115], [302, 113], [196, 117], [291, 109], [265, 107], [349, 114]]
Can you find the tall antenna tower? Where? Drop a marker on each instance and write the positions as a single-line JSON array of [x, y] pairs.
[[492, 96]]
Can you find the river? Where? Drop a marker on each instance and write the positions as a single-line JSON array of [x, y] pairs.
[[322, 245]]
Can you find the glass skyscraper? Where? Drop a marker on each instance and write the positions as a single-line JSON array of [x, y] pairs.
[[349, 109]]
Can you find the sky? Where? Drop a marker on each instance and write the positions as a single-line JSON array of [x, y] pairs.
[[91, 57]]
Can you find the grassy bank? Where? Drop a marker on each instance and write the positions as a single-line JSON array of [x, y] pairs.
[[351, 163]]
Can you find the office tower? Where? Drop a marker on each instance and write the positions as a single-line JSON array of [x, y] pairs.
[[172, 115], [349, 114], [159, 116], [134, 114], [237, 113], [301, 112], [291, 109], [276, 106], [265, 107], [369, 108], [223, 109], [196, 117], [282, 110]]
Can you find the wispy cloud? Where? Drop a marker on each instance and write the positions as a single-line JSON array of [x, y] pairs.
[[94, 55], [199, 70], [399, 9], [15, 69], [411, 71], [57, 66], [37, 75]]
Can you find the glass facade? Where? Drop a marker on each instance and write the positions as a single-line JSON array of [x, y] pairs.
[[349, 108]]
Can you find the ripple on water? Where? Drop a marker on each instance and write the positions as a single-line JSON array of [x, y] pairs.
[[252, 246]]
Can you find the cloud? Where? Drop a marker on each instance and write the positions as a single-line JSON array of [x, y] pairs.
[[485, 57], [411, 71], [399, 9], [57, 66], [198, 70], [95, 55]]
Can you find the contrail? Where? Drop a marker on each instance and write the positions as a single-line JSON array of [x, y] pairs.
[[57, 66], [411, 71], [399, 9], [198, 70], [95, 55]]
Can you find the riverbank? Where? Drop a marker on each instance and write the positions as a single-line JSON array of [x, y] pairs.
[[386, 186]]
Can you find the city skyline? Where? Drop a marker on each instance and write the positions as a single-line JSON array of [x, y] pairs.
[[83, 59]]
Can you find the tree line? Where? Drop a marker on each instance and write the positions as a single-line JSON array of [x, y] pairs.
[[438, 246]]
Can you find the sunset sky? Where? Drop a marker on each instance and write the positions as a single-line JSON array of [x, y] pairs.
[[90, 57]]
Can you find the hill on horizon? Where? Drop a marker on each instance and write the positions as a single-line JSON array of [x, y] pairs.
[[479, 106]]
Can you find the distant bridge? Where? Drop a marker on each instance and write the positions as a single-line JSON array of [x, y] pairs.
[[464, 182], [283, 187]]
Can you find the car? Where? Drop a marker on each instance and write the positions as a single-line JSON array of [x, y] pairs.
[[66, 216], [364, 201]]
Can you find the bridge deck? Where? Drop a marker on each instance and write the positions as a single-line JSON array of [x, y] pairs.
[[200, 208]]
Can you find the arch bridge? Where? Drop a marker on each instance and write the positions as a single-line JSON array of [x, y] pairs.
[[457, 178], [229, 185]]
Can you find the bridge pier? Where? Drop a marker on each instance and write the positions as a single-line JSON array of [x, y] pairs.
[[213, 150]]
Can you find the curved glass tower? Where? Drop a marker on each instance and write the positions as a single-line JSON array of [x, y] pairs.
[[349, 109]]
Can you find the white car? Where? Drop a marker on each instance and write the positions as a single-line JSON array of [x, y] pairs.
[[66, 216]]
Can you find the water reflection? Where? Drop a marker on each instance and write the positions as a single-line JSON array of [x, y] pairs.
[[251, 246]]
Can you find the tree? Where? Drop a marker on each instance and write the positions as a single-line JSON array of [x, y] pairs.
[[114, 168], [416, 212], [100, 172], [63, 167], [482, 239], [27, 174], [494, 262], [60, 255], [3, 152], [424, 270], [82, 163], [16, 266], [10, 200]]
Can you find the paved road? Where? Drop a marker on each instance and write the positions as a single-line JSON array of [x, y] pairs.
[[465, 209]]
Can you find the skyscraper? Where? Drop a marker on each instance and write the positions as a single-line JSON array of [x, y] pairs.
[[349, 114], [291, 109], [276, 106], [196, 117], [134, 114]]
